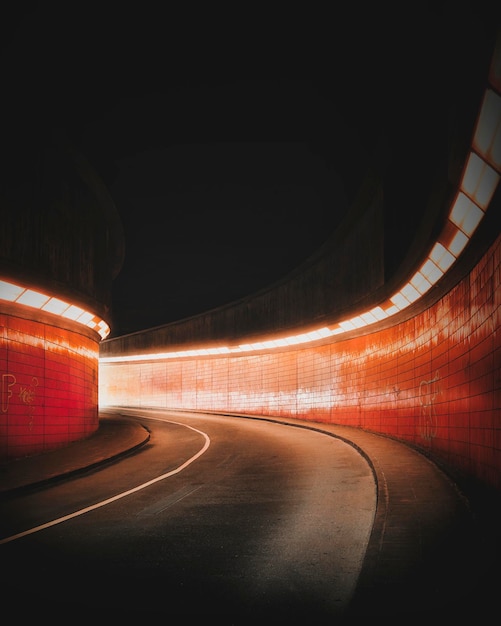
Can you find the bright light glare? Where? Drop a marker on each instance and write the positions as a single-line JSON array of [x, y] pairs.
[[400, 301], [378, 313], [73, 312], [442, 257], [465, 214], [458, 243], [32, 298], [477, 188], [54, 305], [358, 322], [10, 292], [410, 292], [369, 317], [479, 181], [420, 283], [85, 318], [103, 329], [392, 310], [431, 272]]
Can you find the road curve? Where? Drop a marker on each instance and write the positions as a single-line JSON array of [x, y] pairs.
[[216, 516]]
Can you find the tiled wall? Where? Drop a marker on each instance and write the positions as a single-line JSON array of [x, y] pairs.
[[49, 393], [433, 381]]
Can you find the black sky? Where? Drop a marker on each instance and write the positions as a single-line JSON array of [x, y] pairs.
[[226, 140]]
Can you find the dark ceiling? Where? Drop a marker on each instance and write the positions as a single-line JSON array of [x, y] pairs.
[[231, 143]]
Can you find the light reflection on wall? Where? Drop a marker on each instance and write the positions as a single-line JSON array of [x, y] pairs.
[[48, 386]]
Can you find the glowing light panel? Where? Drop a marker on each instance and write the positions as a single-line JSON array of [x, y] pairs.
[[56, 306], [32, 298], [479, 180], [11, 292], [465, 214]]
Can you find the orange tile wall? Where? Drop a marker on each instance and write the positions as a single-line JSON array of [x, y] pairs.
[[49, 393], [433, 381]]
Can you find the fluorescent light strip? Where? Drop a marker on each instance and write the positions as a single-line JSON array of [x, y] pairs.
[[478, 184], [458, 243], [11, 292], [32, 298], [479, 181], [465, 214]]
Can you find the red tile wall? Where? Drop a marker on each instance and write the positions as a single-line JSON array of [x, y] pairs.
[[433, 381], [49, 387]]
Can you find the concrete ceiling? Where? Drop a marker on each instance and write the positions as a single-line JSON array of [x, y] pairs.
[[232, 145]]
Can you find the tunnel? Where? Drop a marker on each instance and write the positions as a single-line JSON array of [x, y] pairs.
[[411, 353], [387, 329]]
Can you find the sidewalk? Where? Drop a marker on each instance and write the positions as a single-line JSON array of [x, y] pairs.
[[435, 543], [114, 438], [434, 547]]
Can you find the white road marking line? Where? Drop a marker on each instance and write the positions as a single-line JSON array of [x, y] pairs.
[[120, 495]]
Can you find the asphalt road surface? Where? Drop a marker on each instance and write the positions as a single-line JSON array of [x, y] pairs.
[[235, 519]]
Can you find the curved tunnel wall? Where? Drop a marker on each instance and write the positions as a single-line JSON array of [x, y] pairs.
[[49, 386], [428, 375], [433, 380], [60, 246]]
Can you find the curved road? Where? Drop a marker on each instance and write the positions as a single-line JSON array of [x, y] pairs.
[[230, 518]]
